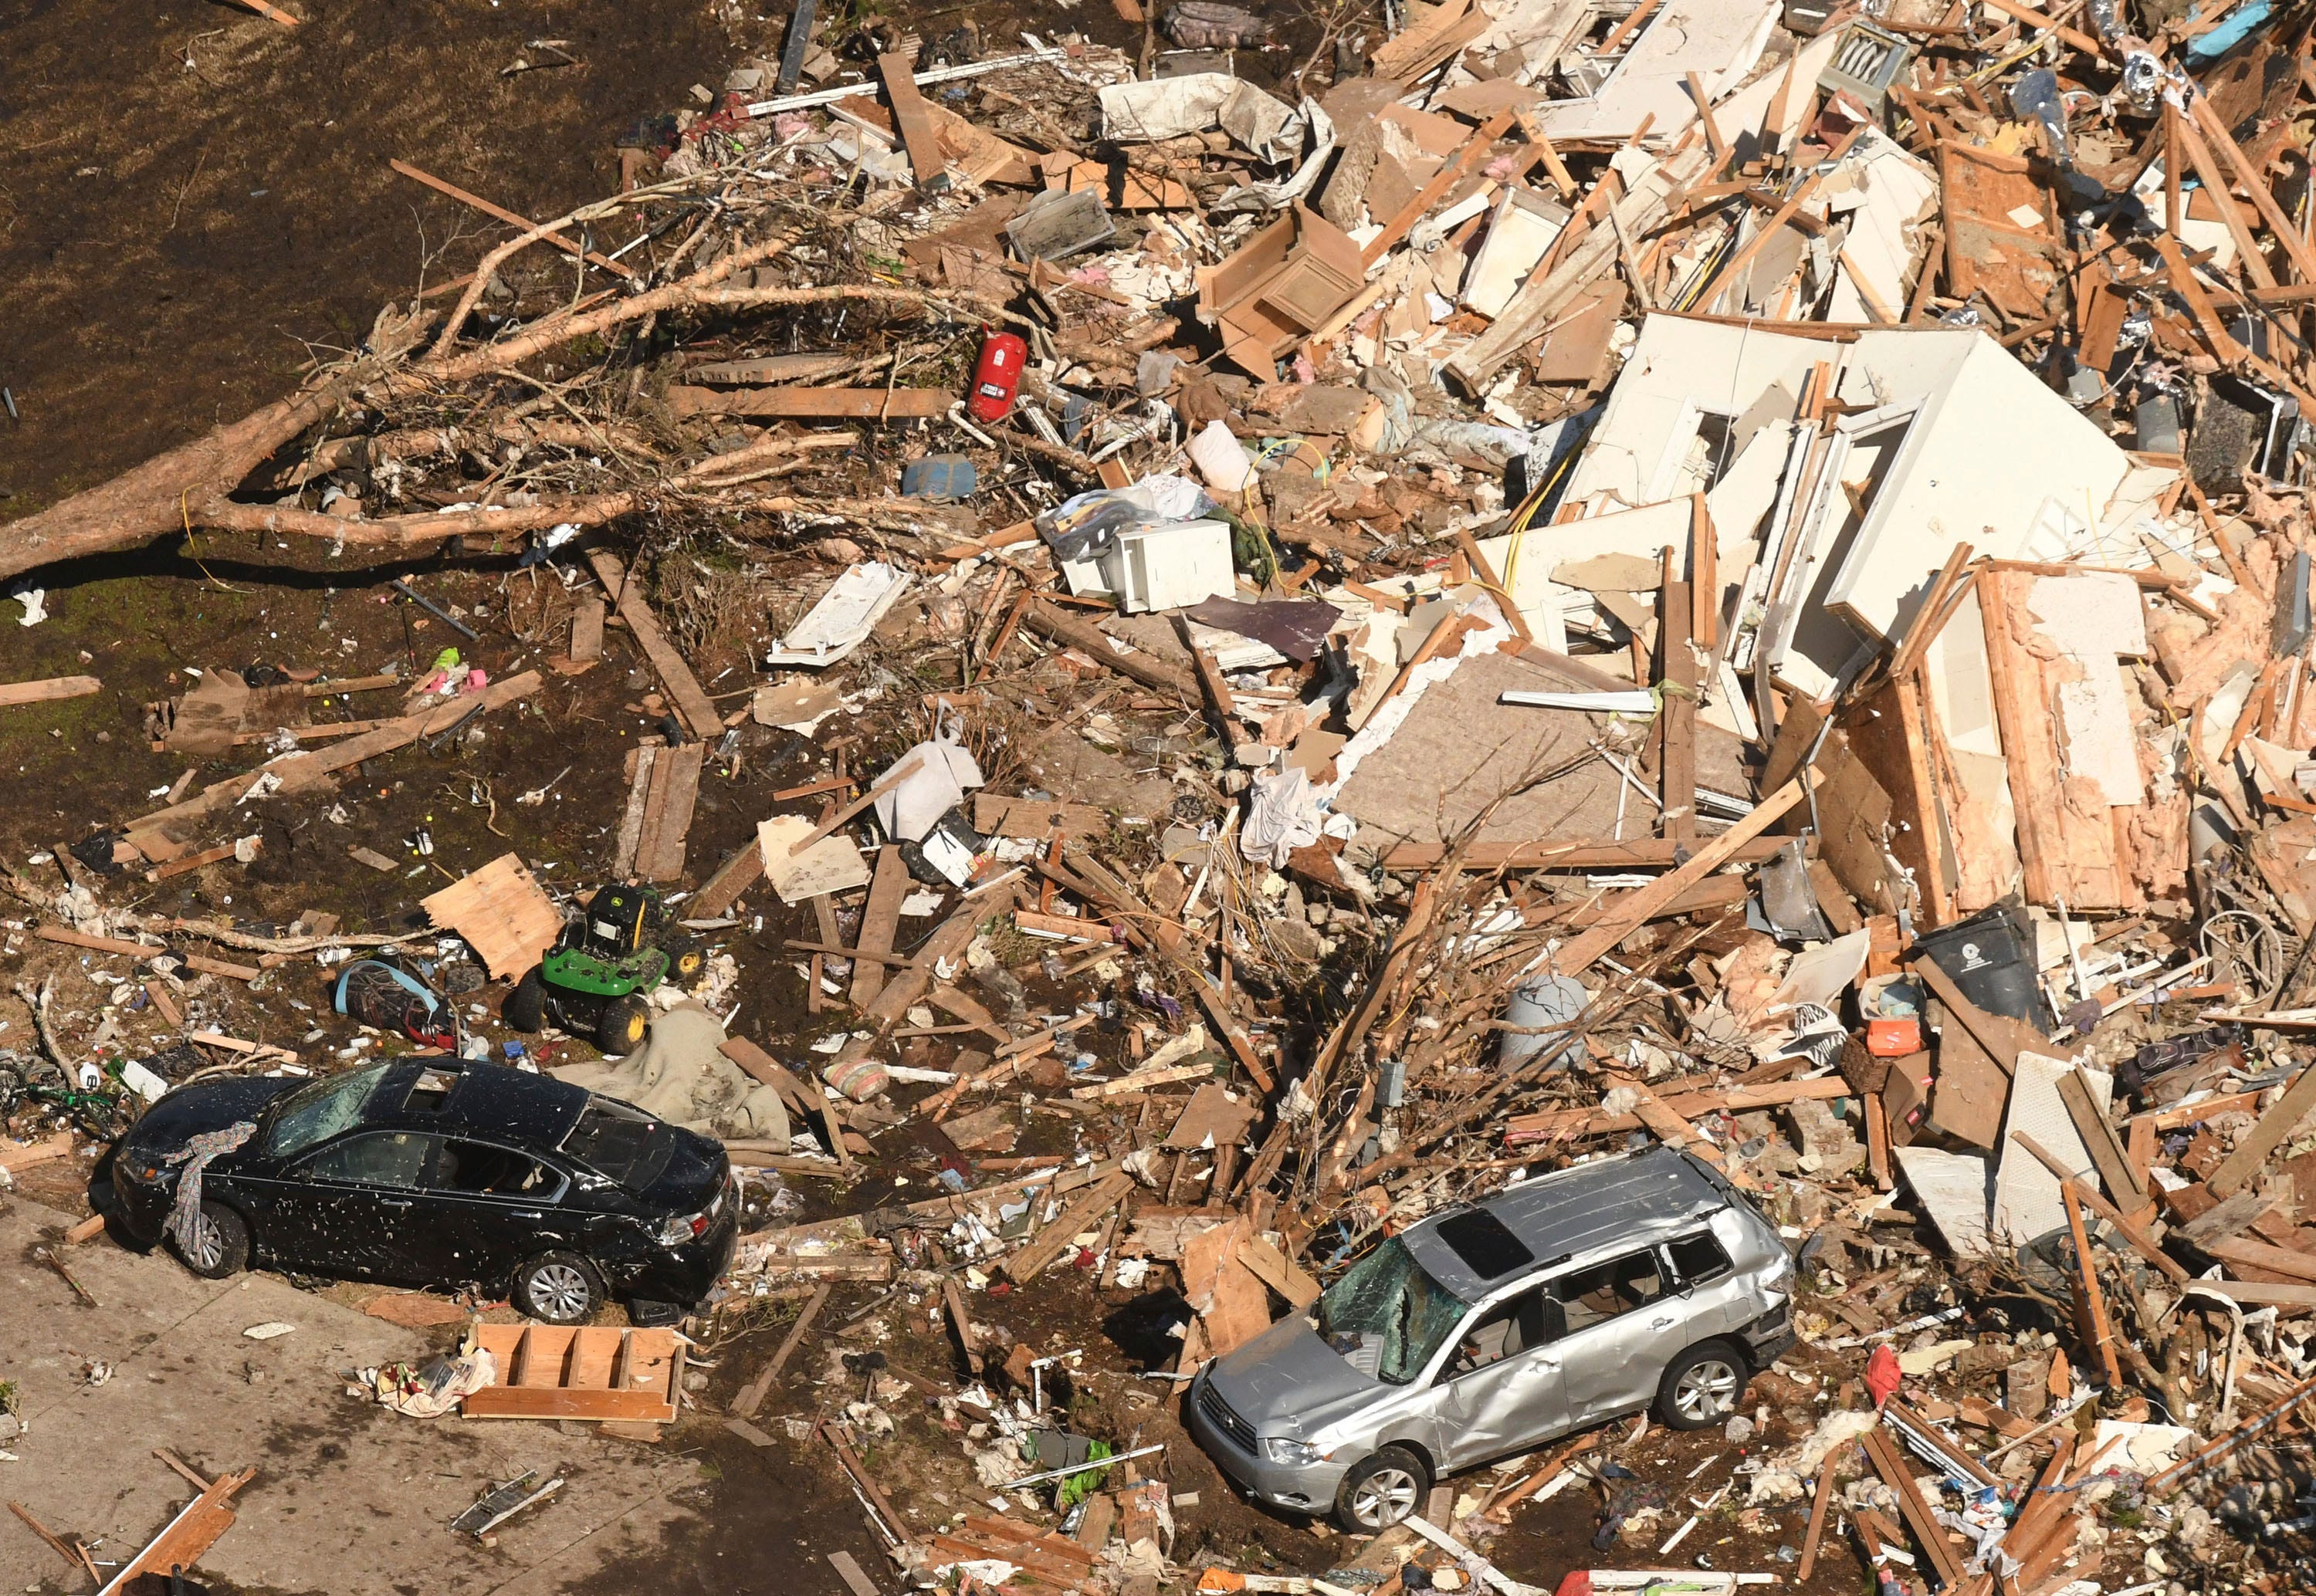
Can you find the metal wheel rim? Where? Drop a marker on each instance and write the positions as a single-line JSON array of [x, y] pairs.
[[208, 1241], [1384, 1498], [559, 1290], [1707, 1390]]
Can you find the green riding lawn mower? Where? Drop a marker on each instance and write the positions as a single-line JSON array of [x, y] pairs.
[[593, 980]]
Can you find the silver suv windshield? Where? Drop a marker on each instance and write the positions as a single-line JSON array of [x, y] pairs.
[[1388, 1296]]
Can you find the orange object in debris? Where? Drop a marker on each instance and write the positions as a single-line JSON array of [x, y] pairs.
[[1893, 1039]]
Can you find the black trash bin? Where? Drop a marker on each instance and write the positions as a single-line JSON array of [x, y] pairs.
[[1990, 956]]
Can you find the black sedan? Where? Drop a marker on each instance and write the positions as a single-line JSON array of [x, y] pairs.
[[441, 1172]]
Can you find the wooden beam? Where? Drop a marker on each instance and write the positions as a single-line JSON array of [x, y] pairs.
[[48, 690], [911, 115], [752, 1395], [2263, 1138], [1635, 908], [696, 710], [1677, 768], [2091, 1302]]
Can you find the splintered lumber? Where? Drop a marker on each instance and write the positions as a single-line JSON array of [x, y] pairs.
[[912, 117], [47, 1536], [880, 922], [2091, 1302], [503, 912], [1567, 855], [2262, 1137], [193, 1532], [22, 1155], [858, 404], [1047, 621], [1892, 1466], [692, 705], [751, 1397], [1026, 1264], [43, 692], [804, 1094], [1622, 915], [2222, 1446], [1817, 1516]]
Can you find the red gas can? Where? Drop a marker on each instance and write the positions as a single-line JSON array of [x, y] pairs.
[[998, 377]]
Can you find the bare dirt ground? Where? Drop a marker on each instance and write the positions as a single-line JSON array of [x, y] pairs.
[[191, 195]]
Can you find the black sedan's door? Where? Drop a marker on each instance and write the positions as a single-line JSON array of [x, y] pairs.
[[490, 1208], [351, 1210]]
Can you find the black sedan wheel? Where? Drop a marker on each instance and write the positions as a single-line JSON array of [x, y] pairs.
[[558, 1289], [220, 1244]]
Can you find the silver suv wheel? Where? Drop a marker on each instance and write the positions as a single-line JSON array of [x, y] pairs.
[[1707, 1390], [1384, 1497]]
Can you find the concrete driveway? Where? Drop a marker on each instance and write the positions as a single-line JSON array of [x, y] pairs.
[[349, 1498]]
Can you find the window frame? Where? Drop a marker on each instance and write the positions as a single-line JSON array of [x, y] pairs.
[[306, 1170], [545, 1198]]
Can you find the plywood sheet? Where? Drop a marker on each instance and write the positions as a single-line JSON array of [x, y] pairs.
[[503, 913], [832, 865]]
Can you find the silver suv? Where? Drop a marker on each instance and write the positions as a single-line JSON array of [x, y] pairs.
[[1560, 1302]]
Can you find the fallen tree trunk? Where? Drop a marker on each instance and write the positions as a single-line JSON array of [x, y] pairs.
[[161, 495]]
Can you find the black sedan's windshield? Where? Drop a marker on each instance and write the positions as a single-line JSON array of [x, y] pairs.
[[320, 1109], [1387, 1295]]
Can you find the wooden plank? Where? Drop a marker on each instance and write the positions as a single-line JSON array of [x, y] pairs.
[[2107, 1149], [1817, 1517], [802, 1094], [910, 116], [48, 691], [880, 923], [960, 1322], [1043, 619], [2091, 1302], [587, 630], [847, 1570], [1689, 1106], [1892, 1466], [187, 1537], [660, 860], [2140, 1241], [638, 813], [1567, 855], [1634, 909], [1677, 766], [1026, 1264], [733, 878], [555, 1402], [996, 816], [2263, 1138], [895, 405], [2255, 1254], [692, 705], [751, 1397]]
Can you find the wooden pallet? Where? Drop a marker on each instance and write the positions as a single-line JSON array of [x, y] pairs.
[[563, 1372]]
